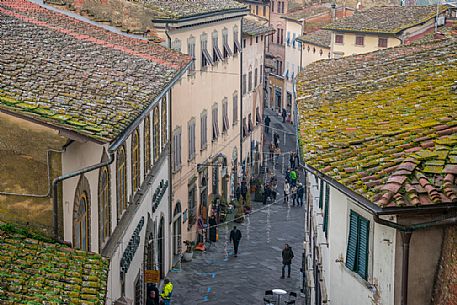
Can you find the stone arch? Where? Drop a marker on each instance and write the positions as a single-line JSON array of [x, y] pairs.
[[104, 202]]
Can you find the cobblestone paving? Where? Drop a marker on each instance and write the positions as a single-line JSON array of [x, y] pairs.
[[214, 278]]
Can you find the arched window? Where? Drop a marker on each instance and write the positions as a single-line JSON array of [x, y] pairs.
[[147, 145], [81, 215], [156, 133], [135, 161], [104, 206], [121, 181], [164, 122]]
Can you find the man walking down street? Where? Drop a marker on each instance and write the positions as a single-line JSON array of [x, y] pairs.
[[235, 237], [287, 256], [300, 193], [267, 123]]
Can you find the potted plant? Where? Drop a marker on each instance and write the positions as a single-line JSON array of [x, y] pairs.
[[187, 256]]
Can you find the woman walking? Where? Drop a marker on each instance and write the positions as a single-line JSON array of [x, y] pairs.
[[286, 192]]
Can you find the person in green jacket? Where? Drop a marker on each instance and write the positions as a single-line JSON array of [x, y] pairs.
[[166, 292]]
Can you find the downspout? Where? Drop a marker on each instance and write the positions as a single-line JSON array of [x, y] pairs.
[[406, 233], [241, 97], [55, 186], [170, 155]]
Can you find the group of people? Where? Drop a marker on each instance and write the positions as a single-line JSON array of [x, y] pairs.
[[292, 188]]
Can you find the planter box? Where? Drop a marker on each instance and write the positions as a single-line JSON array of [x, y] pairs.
[[187, 256]]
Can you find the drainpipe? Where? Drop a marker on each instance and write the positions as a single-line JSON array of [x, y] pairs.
[[406, 233], [55, 185], [168, 35], [241, 97]]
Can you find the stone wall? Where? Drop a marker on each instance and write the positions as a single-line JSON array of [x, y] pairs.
[[24, 170], [446, 284]]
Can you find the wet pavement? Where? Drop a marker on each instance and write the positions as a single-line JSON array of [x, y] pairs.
[[213, 277]]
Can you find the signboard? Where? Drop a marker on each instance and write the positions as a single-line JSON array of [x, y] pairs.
[[151, 276]]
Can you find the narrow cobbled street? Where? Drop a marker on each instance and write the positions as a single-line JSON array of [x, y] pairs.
[[214, 278]]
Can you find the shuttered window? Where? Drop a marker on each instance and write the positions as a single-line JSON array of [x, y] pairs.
[[321, 193], [203, 130], [358, 243], [326, 209]]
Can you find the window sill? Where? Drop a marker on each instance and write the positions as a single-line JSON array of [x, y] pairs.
[[355, 275]]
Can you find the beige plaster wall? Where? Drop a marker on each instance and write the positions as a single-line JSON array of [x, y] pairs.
[[309, 56], [24, 170], [348, 47]]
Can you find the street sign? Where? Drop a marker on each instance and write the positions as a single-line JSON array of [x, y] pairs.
[[151, 276]]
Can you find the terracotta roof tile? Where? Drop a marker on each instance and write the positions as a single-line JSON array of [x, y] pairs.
[[38, 272], [408, 90], [254, 26], [76, 76], [385, 19], [321, 38]]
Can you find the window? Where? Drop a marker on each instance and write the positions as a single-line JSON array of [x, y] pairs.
[[206, 58], [257, 39], [225, 120], [326, 209], [249, 122], [382, 42], [279, 67], [261, 75], [256, 9], [250, 81], [235, 108], [244, 43], [282, 36], [278, 34], [81, 223], [272, 6], [135, 161], [359, 40], [250, 41], [215, 119], [191, 52], [258, 117], [203, 130], [191, 139], [338, 39], [177, 149], [217, 55], [282, 7], [321, 193], [164, 122], [293, 40], [192, 205], [245, 128], [358, 243], [104, 206], [176, 45], [264, 11], [243, 85], [121, 181], [147, 145], [255, 78], [236, 41], [227, 51], [279, 6], [156, 133]]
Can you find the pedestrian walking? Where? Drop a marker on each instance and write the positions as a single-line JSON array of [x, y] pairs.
[[272, 151], [300, 194], [212, 229], [167, 292], [287, 175], [287, 256], [266, 193], [274, 188], [235, 237], [244, 189], [276, 139], [293, 192], [286, 192], [292, 160], [284, 115], [293, 177], [267, 123], [238, 193]]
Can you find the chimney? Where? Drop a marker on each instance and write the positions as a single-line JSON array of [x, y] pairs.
[[333, 11]]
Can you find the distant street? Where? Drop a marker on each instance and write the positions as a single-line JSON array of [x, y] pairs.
[[211, 279]]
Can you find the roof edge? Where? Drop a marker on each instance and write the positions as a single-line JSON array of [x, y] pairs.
[[242, 11]]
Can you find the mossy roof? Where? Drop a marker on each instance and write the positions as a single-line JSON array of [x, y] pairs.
[[73, 75], [177, 9], [321, 38], [36, 272], [384, 124], [254, 26], [385, 19], [301, 12]]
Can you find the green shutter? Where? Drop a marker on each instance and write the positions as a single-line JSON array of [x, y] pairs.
[[321, 193], [326, 207], [351, 251], [362, 258]]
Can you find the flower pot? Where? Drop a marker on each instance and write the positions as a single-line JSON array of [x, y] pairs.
[[187, 256]]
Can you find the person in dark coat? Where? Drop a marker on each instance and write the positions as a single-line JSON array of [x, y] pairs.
[[244, 189], [155, 298], [300, 193], [292, 160], [238, 193], [266, 193], [284, 115], [235, 237], [267, 123], [212, 228], [276, 139], [287, 256]]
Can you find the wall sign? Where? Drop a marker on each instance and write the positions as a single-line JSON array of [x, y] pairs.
[[129, 252], [158, 194]]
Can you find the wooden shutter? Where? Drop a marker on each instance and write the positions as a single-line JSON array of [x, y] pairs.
[[362, 255], [326, 208], [351, 251], [321, 193]]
